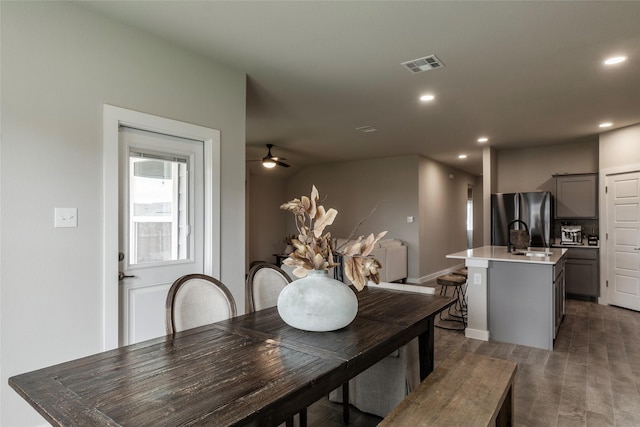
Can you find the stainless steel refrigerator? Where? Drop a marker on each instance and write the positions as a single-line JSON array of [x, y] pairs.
[[533, 208]]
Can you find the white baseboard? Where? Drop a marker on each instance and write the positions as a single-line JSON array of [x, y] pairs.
[[434, 276], [476, 334]]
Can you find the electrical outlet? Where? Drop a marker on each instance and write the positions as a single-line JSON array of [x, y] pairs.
[[477, 278], [65, 217]]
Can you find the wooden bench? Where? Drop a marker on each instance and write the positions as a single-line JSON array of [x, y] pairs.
[[465, 390]]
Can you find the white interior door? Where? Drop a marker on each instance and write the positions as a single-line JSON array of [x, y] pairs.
[[623, 239], [161, 223]]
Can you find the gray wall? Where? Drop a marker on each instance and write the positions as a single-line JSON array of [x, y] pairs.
[[443, 215], [531, 168], [60, 64], [354, 188], [267, 223], [620, 147]]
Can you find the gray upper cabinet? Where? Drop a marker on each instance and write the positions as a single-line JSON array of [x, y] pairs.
[[576, 196]]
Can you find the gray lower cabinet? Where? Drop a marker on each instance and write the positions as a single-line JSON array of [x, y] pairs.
[[582, 272], [525, 302], [559, 293]]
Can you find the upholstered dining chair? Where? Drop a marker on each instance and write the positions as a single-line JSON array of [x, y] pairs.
[[195, 300], [263, 285], [383, 386]]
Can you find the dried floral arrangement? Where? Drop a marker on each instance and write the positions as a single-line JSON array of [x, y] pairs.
[[288, 239], [313, 250]]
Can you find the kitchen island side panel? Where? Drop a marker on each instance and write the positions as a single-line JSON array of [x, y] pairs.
[[521, 303]]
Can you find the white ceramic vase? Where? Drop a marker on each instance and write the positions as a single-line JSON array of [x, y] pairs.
[[317, 303]]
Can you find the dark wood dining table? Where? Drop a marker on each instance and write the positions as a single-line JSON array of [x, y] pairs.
[[249, 370]]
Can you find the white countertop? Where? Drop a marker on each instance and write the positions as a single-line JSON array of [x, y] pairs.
[[499, 253], [583, 246]]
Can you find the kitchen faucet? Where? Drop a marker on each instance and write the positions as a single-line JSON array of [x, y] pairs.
[[526, 227]]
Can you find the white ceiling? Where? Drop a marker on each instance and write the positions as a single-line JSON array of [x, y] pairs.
[[522, 73]]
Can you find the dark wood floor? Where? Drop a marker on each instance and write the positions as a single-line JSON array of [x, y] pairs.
[[592, 378]]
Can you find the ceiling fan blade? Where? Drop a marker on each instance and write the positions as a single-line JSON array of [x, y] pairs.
[[271, 158]]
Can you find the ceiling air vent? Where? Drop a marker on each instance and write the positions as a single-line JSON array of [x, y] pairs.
[[427, 63]]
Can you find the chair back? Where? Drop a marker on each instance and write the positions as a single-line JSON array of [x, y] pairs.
[[195, 300], [289, 271], [264, 284]]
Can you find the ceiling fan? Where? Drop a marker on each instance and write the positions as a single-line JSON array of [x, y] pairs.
[[270, 161]]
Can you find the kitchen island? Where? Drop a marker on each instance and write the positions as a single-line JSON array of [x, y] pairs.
[[515, 297]]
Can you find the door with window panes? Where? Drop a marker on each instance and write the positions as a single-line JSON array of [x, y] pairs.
[[160, 223]]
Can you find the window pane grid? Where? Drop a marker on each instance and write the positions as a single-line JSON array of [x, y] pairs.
[[158, 209]]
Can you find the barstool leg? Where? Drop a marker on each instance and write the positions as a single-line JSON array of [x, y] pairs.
[[443, 293], [456, 312], [459, 307]]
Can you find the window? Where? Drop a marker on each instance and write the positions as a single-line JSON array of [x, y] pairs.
[[158, 208]]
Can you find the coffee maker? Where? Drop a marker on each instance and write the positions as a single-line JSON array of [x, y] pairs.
[[571, 235]]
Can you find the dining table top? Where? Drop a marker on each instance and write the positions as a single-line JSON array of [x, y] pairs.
[[252, 369]]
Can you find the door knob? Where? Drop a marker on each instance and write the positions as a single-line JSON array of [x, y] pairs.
[[122, 276]]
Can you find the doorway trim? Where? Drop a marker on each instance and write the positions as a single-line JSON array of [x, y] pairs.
[[113, 117], [604, 220]]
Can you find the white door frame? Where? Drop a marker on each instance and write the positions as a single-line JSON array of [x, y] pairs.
[[604, 223], [113, 117]]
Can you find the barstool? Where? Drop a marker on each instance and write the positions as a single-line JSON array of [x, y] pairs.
[[458, 282], [464, 272]]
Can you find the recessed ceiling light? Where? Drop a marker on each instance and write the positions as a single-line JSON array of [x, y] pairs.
[[483, 139], [605, 124], [615, 60], [427, 98], [462, 156], [366, 129]]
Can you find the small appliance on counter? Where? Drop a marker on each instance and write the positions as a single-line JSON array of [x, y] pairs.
[[571, 235], [592, 239]]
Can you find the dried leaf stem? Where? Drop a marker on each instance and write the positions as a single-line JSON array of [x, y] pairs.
[[357, 227]]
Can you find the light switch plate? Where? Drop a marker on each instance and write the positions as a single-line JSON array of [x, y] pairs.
[[65, 217]]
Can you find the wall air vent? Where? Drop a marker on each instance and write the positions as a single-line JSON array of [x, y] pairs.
[[419, 65]]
